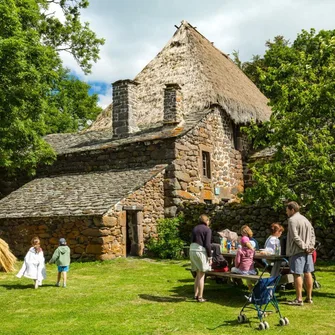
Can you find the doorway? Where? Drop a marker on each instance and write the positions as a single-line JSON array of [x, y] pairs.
[[134, 233]]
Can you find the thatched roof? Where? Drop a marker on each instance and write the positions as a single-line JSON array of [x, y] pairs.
[[103, 121], [75, 194], [206, 75]]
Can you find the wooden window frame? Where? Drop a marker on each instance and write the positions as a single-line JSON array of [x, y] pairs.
[[206, 164], [208, 151]]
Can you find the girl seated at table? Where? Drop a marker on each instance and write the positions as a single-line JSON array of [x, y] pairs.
[[246, 231], [272, 244], [244, 260]]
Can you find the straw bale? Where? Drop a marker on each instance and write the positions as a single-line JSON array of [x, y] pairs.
[[7, 259]]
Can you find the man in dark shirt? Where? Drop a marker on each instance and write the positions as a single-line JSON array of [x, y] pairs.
[[200, 254]]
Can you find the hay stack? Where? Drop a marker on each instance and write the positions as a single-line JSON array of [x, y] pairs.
[[7, 259]]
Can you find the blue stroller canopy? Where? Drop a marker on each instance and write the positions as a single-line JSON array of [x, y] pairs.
[[264, 290]]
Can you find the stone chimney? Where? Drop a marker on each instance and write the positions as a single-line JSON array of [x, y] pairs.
[[173, 104], [124, 107]]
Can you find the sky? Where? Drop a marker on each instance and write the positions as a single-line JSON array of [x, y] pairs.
[[136, 30]]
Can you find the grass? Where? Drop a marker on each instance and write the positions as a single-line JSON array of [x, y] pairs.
[[143, 296]]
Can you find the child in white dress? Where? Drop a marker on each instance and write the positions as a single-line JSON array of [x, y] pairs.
[[34, 264]]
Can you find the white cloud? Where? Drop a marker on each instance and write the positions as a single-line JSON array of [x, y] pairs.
[[106, 99], [136, 30]]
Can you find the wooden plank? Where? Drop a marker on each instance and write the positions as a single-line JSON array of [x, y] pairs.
[[229, 275], [285, 279], [232, 275]]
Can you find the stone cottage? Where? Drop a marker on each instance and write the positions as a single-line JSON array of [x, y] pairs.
[[172, 135]]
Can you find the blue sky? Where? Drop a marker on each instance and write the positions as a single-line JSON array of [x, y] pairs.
[[136, 30]]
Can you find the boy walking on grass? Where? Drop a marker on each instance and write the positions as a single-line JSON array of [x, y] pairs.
[[61, 257]]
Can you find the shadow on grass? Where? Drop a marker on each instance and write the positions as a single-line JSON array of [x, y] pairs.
[[222, 294], [188, 280], [22, 286], [319, 293], [324, 270], [229, 323], [161, 299]]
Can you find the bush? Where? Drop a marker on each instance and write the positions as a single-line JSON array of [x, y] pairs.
[[167, 244]]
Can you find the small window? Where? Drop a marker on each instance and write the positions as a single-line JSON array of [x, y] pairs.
[[206, 164], [237, 138]]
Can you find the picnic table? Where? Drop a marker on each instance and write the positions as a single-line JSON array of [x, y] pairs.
[[276, 260]]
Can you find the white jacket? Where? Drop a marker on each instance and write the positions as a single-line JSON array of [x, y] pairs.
[[33, 266]]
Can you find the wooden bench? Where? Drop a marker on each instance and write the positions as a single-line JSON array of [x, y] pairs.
[[232, 275], [285, 279], [228, 275]]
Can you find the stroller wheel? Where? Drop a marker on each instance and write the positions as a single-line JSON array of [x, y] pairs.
[[282, 322], [266, 325], [261, 326], [287, 322], [242, 318]]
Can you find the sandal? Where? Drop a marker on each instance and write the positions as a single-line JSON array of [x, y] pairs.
[[308, 301], [296, 302], [201, 299]]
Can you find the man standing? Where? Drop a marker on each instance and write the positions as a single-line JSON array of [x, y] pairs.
[[299, 247]]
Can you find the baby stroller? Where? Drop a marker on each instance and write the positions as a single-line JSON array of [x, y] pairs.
[[262, 295], [316, 284]]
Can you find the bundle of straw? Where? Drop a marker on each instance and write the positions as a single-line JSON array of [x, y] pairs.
[[7, 259]]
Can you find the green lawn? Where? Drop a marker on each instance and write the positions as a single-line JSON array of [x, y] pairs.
[[143, 296]]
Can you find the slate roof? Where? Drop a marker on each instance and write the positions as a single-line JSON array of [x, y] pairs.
[[76, 194], [101, 139]]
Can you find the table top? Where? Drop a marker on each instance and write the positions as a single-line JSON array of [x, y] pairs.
[[258, 255]]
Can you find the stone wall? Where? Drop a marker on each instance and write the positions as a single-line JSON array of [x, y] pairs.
[[185, 181], [151, 197], [138, 154], [84, 235], [89, 238], [259, 219]]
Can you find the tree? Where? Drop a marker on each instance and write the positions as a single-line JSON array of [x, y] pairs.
[[257, 63], [299, 79], [70, 106], [31, 76], [71, 36]]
